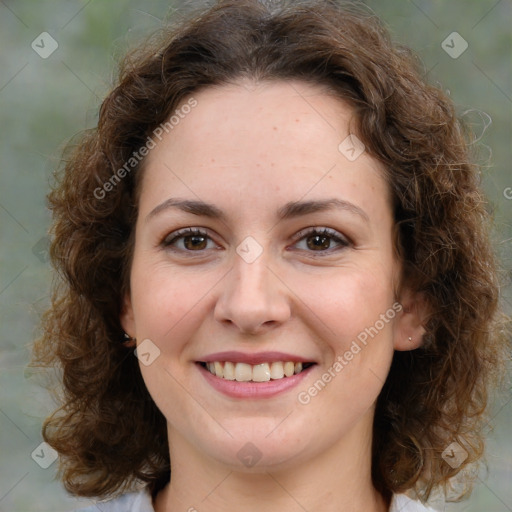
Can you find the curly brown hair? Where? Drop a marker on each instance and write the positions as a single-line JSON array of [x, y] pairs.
[[108, 431]]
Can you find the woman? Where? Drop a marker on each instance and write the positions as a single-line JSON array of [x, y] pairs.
[[280, 219]]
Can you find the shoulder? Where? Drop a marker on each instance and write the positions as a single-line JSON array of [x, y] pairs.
[[402, 503], [129, 502], [141, 502]]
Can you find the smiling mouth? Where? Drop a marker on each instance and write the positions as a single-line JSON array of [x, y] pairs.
[[264, 372]]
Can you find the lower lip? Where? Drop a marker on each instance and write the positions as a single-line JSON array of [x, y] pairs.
[[235, 389]]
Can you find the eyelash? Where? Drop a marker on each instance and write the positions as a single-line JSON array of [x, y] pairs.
[[323, 232], [343, 242]]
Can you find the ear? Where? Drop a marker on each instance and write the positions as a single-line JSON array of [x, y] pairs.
[[409, 327], [127, 318]]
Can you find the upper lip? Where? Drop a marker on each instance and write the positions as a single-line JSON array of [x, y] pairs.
[[234, 356]]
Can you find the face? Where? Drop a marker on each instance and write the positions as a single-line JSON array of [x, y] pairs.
[[262, 245]]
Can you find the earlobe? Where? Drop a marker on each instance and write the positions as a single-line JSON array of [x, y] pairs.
[[126, 318], [409, 327]]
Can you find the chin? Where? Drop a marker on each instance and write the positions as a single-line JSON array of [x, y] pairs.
[[258, 444]]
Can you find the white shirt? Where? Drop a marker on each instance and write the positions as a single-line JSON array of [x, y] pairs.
[[141, 502]]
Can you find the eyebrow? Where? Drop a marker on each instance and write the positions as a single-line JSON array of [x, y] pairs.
[[298, 208], [199, 208], [290, 210]]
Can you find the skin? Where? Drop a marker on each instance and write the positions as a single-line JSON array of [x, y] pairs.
[[249, 149]]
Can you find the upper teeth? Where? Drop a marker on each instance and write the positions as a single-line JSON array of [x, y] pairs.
[[243, 372]]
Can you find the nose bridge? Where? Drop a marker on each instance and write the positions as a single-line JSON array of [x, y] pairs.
[[252, 296], [254, 279]]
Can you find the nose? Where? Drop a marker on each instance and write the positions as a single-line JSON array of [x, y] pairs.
[[252, 298]]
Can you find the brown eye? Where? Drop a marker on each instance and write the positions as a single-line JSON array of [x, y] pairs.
[[318, 242], [322, 240], [188, 240], [194, 242]]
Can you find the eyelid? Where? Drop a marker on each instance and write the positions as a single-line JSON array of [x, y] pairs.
[[321, 230], [341, 239], [168, 240]]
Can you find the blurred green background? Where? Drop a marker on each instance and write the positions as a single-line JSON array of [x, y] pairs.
[[46, 101]]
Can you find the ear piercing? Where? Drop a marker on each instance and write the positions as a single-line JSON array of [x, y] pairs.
[[128, 339]]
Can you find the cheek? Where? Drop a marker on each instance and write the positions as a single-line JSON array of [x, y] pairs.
[[357, 306], [360, 350], [361, 317], [168, 309], [351, 299], [166, 301]]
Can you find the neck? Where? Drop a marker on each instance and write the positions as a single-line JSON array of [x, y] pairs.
[[337, 479]]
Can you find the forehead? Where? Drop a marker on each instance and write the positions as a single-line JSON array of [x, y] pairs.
[[247, 118], [283, 137]]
